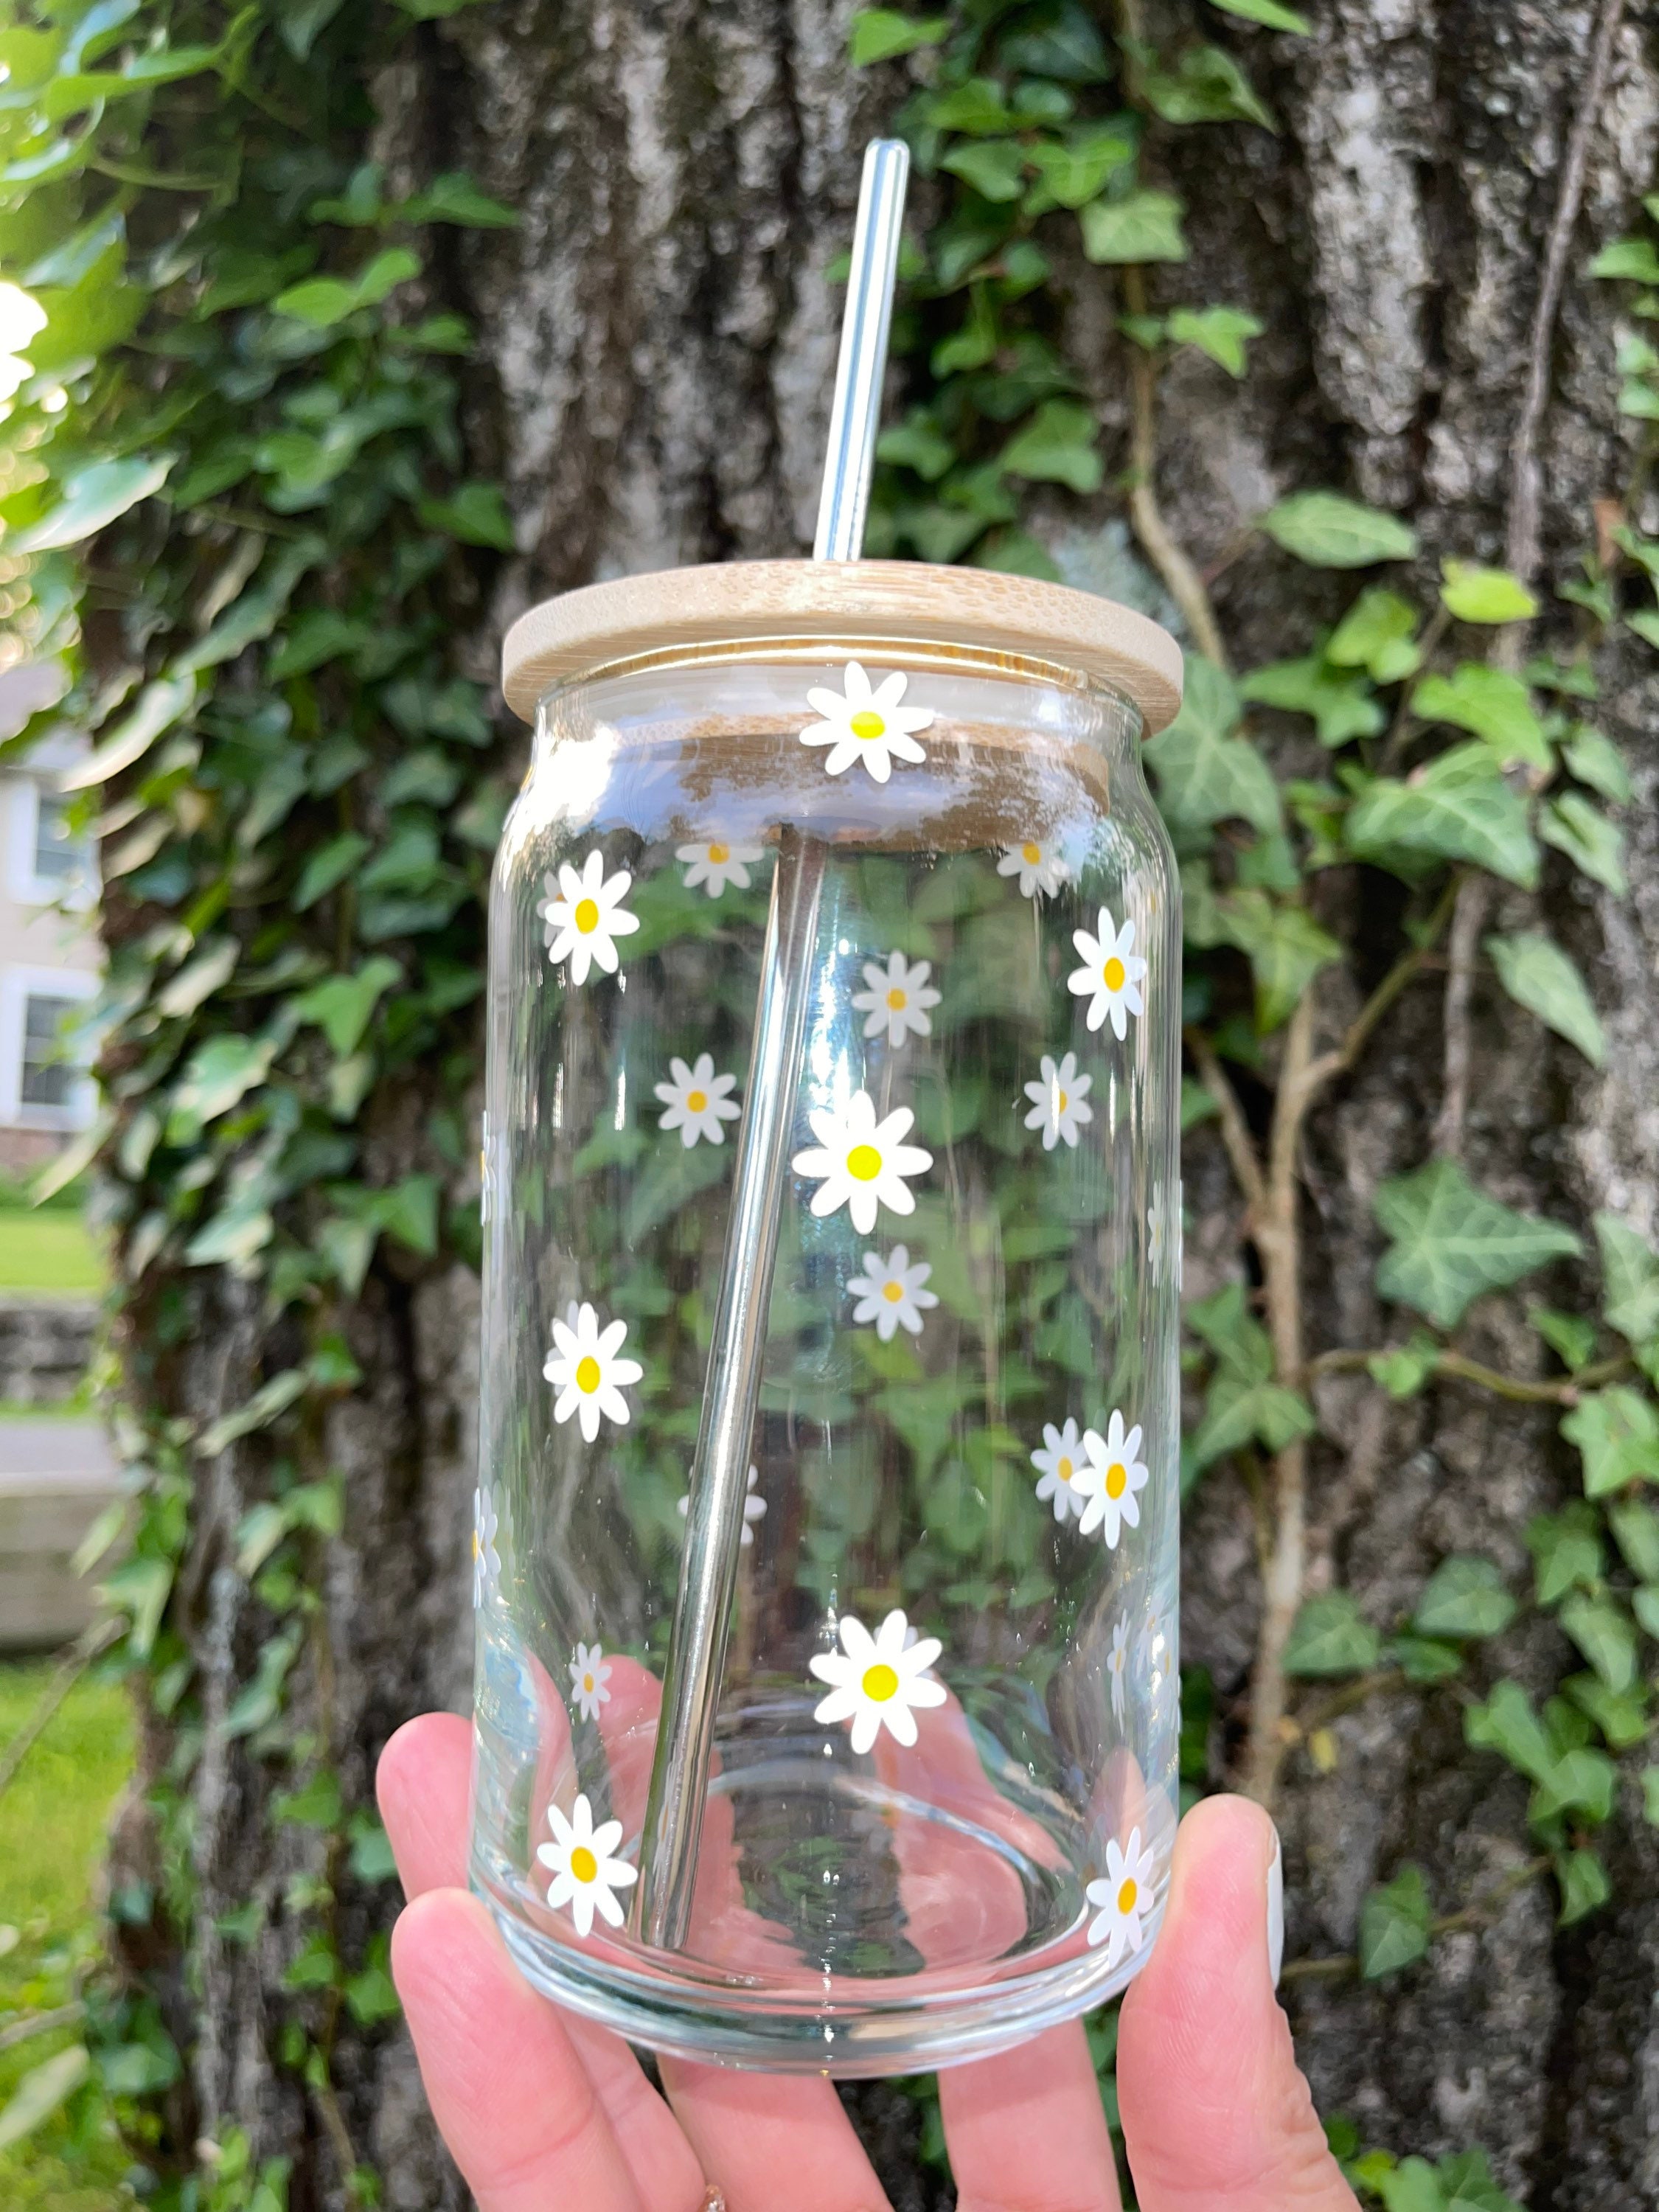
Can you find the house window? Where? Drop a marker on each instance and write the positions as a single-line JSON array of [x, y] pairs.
[[60, 858], [48, 1074]]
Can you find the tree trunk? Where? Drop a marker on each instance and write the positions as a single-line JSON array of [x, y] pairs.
[[656, 343]]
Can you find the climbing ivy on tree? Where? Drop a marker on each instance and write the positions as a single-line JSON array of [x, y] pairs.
[[237, 508]]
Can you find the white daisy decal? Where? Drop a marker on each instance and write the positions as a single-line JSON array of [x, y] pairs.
[[1060, 1103], [878, 1679], [695, 1102], [862, 724], [584, 1369], [717, 864], [588, 1676], [860, 1162], [1163, 1233], [486, 1559], [897, 999], [754, 1509], [1117, 1665], [585, 916], [1109, 978], [890, 1293], [1124, 1897], [1057, 1463], [585, 1874], [1108, 1480], [1038, 867]]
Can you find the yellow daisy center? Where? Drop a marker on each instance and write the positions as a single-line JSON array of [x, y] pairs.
[[588, 1682], [587, 1374], [585, 1867], [1128, 1893], [476, 1546], [867, 723], [896, 998], [892, 1292], [880, 1681], [1117, 1476], [696, 1102], [864, 1163], [1113, 972], [720, 854], [587, 915], [1065, 1101], [1031, 853], [1066, 1470]]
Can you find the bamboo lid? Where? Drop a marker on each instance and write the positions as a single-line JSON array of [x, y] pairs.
[[889, 603]]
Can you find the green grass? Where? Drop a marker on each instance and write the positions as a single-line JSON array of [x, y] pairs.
[[52, 1821], [47, 1249]]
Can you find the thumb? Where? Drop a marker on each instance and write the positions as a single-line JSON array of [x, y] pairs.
[[1215, 2112]]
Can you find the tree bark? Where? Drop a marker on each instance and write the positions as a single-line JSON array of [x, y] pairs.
[[656, 346]]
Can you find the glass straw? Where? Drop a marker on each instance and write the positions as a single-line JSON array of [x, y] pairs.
[[719, 1466]]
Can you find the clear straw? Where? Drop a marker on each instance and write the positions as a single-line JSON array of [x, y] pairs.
[[719, 1466]]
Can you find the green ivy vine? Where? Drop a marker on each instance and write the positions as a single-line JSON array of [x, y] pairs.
[[236, 508]]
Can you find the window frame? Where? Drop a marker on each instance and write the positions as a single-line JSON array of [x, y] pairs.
[[17, 987]]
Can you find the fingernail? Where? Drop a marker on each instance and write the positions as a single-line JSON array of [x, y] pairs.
[[1276, 1911]]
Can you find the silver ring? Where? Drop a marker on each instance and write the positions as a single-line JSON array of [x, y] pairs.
[[713, 2198]]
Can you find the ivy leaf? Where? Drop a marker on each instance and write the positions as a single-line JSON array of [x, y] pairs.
[[1589, 841], [1377, 634], [1452, 1242], [1221, 332], [1475, 594], [995, 168], [1330, 1636], [93, 497], [1329, 531], [1507, 1724], [1341, 702], [1057, 39], [1636, 1531], [322, 302], [1617, 1434], [1411, 2186], [475, 513], [977, 107], [1394, 1924], [1606, 1635], [1538, 976], [1403, 1371], [330, 863], [1570, 1336], [1457, 808], [1566, 1551], [1205, 773], [41, 2091], [1462, 1598], [454, 198], [1584, 1889], [1206, 85], [1073, 171], [1594, 760], [1268, 13], [1285, 947], [1491, 704], [1633, 258], [1244, 1404], [342, 1006], [1581, 1780], [1621, 1716], [1630, 1279], [1057, 445], [219, 1075], [1145, 226]]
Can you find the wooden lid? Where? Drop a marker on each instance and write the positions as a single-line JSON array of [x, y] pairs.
[[888, 602]]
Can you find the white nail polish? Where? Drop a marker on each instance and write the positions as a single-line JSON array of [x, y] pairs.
[[1276, 1912]]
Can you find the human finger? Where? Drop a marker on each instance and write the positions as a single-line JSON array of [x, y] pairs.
[[510, 2094], [1027, 2132], [422, 1784], [1214, 2109], [767, 2140]]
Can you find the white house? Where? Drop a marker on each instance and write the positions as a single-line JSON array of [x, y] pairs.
[[49, 955]]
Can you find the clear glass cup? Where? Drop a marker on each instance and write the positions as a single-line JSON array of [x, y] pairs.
[[944, 1789]]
